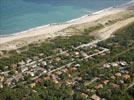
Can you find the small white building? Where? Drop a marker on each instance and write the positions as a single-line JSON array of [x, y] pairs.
[[107, 65], [123, 63], [28, 60], [23, 69], [44, 63], [114, 64], [1, 85]]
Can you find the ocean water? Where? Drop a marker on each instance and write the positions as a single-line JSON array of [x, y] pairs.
[[20, 15]]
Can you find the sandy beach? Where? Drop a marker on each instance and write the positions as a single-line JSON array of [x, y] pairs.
[[49, 31], [51, 28]]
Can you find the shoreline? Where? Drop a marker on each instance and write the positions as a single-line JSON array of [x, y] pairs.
[[59, 23], [49, 29]]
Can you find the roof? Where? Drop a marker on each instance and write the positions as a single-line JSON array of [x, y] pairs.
[[126, 76], [115, 85], [95, 97], [118, 74], [105, 81], [99, 86]]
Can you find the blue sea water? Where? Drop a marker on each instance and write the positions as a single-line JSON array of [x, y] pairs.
[[20, 15]]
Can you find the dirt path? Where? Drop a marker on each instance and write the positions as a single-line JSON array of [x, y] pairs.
[[109, 30]]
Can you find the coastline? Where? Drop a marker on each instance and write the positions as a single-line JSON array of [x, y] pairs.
[[68, 21], [52, 30], [60, 23], [54, 24]]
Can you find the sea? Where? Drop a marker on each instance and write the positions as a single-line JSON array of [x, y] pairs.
[[21, 15]]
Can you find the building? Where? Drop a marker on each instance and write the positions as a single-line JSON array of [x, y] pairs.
[[23, 69], [118, 74], [1, 85], [106, 65], [8, 82], [105, 81], [126, 76], [99, 86], [95, 97], [114, 64]]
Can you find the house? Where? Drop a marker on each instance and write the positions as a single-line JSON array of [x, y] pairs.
[[32, 85], [35, 58], [83, 54], [33, 66], [68, 82], [1, 85], [57, 58], [14, 66], [51, 66], [120, 82], [65, 70], [5, 73], [79, 78], [115, 85], [34, 91], [8, 81], [123, 63], [84, 95], [31, 63], [2, 78], [77, 65], [54, 77], [92, 90], [46, 78], [44, 71], [1, 53], [113, 77], [23, 69], [40, 60], [66, 54], [114, 64], [95, 97], [73, 68], [118, 74], [103, 54], [41, 54], [69, 65], [6, 67], [107, 65], [126, 76], [69, 75], [99, 86], [31, 74], [21, 63], [44, 63], [28, 60], [38, 80], [18, 77], [59, 50], [124, 71], [77, 53], [56, 81], [58, 72], [105, 81]]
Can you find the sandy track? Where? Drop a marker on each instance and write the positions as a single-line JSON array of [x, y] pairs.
[[108, 31]]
